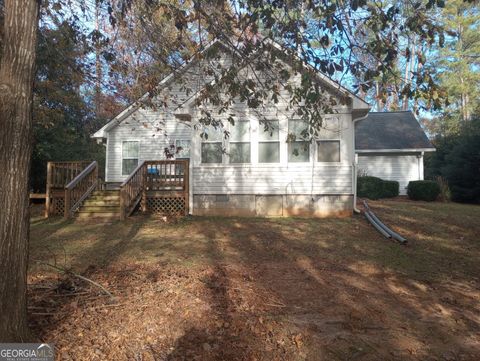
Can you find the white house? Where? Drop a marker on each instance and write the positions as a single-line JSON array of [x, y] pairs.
[[391, 146], [259, 173]]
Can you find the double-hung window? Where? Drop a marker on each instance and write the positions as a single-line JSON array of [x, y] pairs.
[[240, 142], [298, 148], [212, 150], [129, 156], [269, 142], [328, 150], [182, 147]]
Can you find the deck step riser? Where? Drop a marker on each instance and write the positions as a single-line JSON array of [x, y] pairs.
[[101, 203], [106, 193], [113, 215], [105, 198], [101, 209]]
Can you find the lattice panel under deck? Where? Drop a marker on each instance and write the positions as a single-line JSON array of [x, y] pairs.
[[166, 205], [57, 206]]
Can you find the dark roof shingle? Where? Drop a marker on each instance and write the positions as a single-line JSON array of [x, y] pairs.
[[390, 130]]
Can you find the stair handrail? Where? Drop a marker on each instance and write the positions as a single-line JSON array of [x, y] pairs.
[[131, 190], [79, 188]]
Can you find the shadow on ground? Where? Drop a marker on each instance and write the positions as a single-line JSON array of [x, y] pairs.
[[266, 289]]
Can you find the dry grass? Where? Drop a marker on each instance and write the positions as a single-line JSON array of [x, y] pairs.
[[264, 289]]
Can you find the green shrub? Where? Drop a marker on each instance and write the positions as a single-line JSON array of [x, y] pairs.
[[376, 188], [390, 189], [423, 190], [457, 160]]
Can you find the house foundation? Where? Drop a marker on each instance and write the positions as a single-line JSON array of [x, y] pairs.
[[320, 206]]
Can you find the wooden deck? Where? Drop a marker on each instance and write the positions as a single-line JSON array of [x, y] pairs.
[[159, 186]]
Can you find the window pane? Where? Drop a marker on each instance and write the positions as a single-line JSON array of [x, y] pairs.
[[185, 151], [298, 152], [329, 151], [214, 134], [269, 152], [130, 149], [239, 152], [211, 152], [271, 132], [240, 132], [296, 127], [128, 166]]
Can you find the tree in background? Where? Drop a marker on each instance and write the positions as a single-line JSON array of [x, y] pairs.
[[64, 112], [405, 84], [455, 130], [457, 160], [146, 42], [462, 164], [459, 60]]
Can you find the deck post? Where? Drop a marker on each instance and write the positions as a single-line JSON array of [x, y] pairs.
[[66, 213], [143, 203], [186, 185], [47, 190], [122, 205]]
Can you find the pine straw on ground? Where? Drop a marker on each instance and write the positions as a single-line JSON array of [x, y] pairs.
[[250, 289]]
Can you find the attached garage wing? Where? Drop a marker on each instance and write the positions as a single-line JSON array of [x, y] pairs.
[[397, 167]]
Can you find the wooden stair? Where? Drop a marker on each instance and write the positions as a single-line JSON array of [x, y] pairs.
[[103, 205]]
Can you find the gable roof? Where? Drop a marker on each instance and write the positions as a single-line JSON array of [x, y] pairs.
[[390, 131], [357, 102]]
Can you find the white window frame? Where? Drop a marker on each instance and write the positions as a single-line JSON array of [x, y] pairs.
[[230, 141], [209, 141], [261, 128], [138, 154], [189, 150], [328, 140]]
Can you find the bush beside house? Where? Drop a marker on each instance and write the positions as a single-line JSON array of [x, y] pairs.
[[376, 188], [390, 188], [423, 190], [457, 161]]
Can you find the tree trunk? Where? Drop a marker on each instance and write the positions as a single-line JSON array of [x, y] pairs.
[[16, 96], [377, 97], [98, 63]]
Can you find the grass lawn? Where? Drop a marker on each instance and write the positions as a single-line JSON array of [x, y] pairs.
[[262, 289]]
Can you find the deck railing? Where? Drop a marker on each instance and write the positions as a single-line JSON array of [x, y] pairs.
[[131, 190], [167, 175], [63, 172], [80, 188], [60, 174], [154, 181]]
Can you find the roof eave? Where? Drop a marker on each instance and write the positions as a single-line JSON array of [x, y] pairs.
[[404, 150]]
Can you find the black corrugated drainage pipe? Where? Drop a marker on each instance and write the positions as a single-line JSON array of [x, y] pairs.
[[377, 226], [381, 227]]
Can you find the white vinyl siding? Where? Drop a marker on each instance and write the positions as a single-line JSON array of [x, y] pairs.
[[269, 179], [400, 168]]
